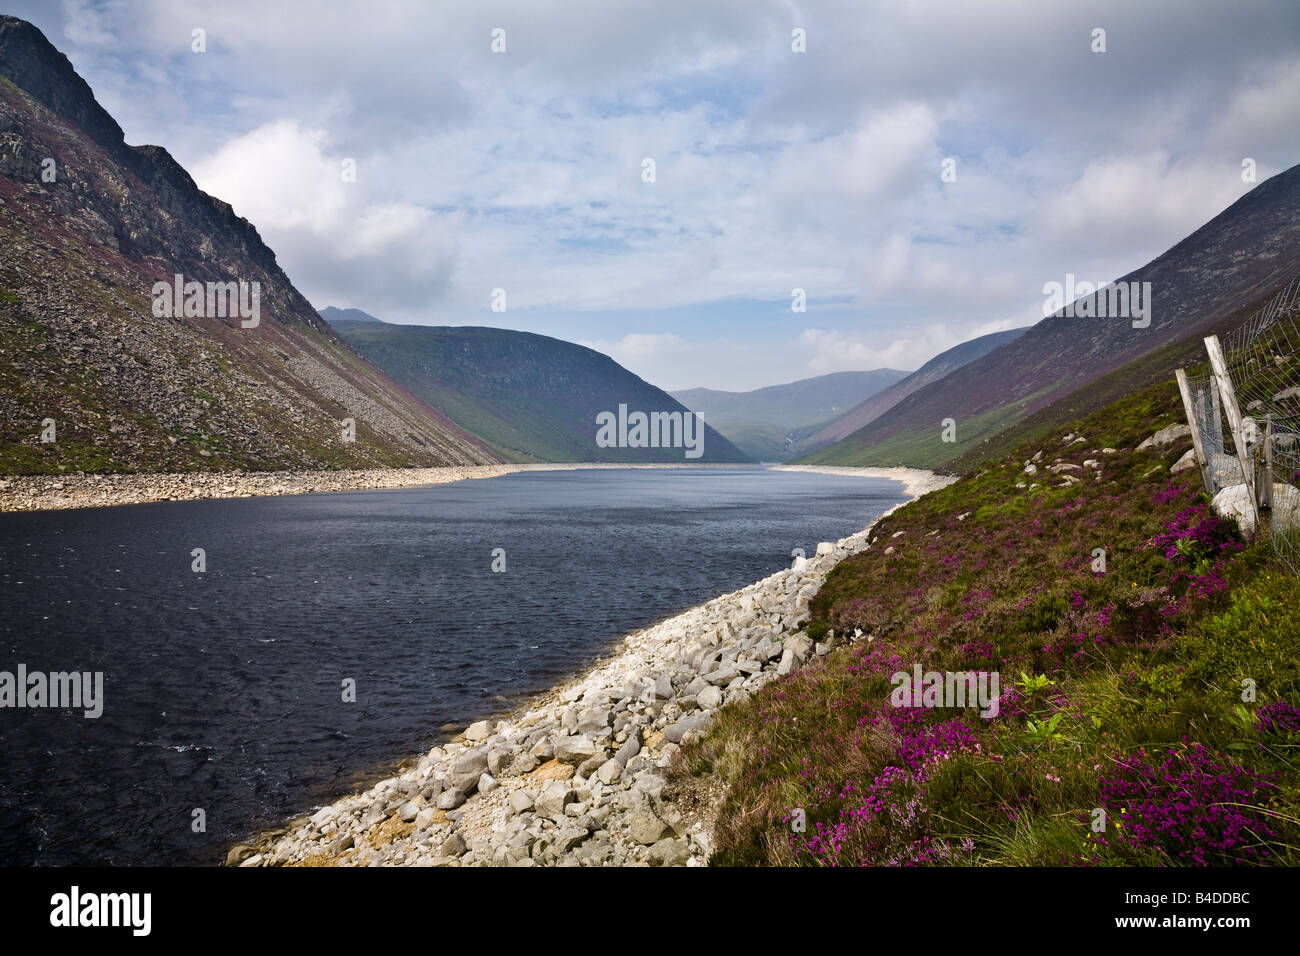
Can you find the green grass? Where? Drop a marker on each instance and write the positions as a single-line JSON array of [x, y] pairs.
[[1119, 690]]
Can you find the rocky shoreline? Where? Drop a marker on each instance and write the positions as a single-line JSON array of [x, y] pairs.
[[577, 777], [59, 492]]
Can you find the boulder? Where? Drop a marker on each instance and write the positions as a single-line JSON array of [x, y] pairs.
[[670, 852], [1166, 436], [646, 828], [574, 750], [555, 796], [593, 720], [238, 854], [710, 698], [454, 845], [1234, 502], [800, 644]]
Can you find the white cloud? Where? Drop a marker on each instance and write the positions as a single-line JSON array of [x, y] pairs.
[[774, 169]]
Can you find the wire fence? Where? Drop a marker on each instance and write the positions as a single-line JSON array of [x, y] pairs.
[[1261, 362]]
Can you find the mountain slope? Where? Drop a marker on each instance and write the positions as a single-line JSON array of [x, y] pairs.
[[759, 422], [1240, 256], [84, 238], [333, 315], [942, 365], [530, 397]]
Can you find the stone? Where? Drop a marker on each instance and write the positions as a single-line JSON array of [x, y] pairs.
[[669, 852], [646, 829], [631, 747], [723, 675], [238, 854], [451, 799], [710, 698], [695, 722], [590, 765], [408, 811], [663, 687], [520, 801], [466, 768], [555, 796], [554, 770], [525, 763], [432, 789], [568, 838], [1166, 436], [479, 730], [1234, 502], [1183, 464], [454, 845], [593, 720], [487, 783], [801, 645], [609, 771], [574, 750]]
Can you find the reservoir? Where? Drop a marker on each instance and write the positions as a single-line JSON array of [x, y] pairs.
[[224, 689]]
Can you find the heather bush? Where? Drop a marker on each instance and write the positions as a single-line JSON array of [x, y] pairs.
[[1132, 688]]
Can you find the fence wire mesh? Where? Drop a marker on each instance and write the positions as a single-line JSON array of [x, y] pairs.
[[1262, 359]]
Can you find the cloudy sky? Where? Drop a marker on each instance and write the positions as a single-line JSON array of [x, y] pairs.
[[821, 170]]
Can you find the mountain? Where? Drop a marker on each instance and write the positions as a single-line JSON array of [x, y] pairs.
[[760, 422], [1207, 282], [86, 235], [88, 227], [528, 397], [333, 315], [943, 364]]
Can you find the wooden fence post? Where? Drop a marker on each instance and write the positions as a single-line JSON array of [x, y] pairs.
[[1266, 478], [1190, 408], [1229, 397]]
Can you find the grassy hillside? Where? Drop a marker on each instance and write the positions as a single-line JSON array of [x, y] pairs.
[[763, 422], [1243, 255], [527, 397], [1120, 689], [806, 441]]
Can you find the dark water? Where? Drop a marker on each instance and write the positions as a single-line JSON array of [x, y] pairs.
[[223, 690]]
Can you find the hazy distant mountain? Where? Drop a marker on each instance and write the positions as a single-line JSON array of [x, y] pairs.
[[1207, 281], [529, 397], [333, 315], [943, 364], [83, 243], [760, 422]]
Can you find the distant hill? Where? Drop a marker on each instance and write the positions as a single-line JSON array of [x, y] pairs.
[[128, 385], [333, 315], [528, 397], [1204, 283], [760, 422], [943, 364]]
